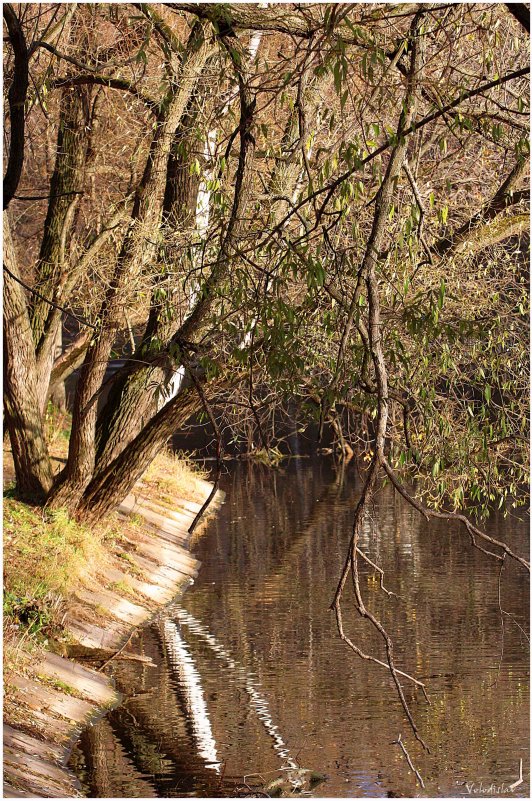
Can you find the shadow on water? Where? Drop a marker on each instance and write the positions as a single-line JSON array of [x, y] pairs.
[[249, 676]]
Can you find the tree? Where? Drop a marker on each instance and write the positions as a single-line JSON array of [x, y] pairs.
[[281, 226], [320, 211]]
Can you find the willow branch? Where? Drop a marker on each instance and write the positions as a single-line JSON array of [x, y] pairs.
[[383, 202], [120, 84], [414, 770], [331, 188], [471, 529], [279, 18]]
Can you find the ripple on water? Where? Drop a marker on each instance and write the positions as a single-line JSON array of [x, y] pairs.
[[251, 677]]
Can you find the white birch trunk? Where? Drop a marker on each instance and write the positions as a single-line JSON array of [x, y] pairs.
[[203, 207]]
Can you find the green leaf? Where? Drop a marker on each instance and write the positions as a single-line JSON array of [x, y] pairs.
[[441, 294]]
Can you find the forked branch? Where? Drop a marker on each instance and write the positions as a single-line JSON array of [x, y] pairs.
[[368, 275]]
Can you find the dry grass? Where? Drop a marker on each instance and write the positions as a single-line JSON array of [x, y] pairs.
[[47, 554], [173, 476], [20, 652], [45, 551]]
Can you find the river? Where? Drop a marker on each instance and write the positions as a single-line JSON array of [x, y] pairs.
[[249, 678]]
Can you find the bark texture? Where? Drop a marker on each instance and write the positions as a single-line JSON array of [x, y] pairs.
[[138, 250], [23, 414], [130, 401], [16, 99], [111, 485]]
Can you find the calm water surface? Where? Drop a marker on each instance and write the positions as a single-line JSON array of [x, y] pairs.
[[250, 677]]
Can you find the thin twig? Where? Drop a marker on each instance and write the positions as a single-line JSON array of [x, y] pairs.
[[219, 446], [120, 650], [379, 570], [502, 623], [79, 320], [410, 763], [520, 779]]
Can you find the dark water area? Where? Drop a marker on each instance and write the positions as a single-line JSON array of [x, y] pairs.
[[250, 677]]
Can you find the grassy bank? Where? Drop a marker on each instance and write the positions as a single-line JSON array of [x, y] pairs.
[[74, 596], [49, 556]]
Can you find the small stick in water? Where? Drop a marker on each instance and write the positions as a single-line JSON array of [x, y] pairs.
[[410, 763]]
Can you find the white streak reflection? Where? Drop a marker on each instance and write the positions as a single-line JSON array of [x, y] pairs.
[[189, 678], [258, 702]]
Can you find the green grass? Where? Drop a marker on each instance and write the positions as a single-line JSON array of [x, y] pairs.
[[47, 554], [58, 684], [122, 588], [133, 568], [45, 557]]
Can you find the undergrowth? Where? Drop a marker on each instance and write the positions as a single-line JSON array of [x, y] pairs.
[[45, 556]]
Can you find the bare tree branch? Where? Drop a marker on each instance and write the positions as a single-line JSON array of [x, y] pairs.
[[368, 274], [120, 84], [475, 229], [281, 18], [16, 100]]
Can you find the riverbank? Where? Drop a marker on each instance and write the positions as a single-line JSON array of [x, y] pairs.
[[54, 655]]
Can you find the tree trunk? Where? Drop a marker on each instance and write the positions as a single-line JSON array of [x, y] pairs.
[[68, 361], [23, 414], [132, 399], [110, 486], [56, 394], [137, 251], [66, 189]]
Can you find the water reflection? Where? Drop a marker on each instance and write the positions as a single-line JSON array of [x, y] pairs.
[[190, 681], [275, 687], [258, 702]]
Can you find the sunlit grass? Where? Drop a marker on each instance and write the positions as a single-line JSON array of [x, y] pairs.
[[173, 476], [46, 555]]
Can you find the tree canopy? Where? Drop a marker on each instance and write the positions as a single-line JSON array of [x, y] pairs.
[[324, 205], [318, 211]]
